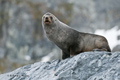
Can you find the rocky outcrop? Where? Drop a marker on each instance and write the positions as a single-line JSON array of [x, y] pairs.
[[85, 66]]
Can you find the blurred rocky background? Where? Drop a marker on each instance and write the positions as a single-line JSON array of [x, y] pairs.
[[22, 39]]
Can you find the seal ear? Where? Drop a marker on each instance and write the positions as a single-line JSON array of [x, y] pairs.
[[55, 19]]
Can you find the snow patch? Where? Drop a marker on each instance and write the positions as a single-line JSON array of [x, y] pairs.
[[49, 56], [111, 35], [27, 57]]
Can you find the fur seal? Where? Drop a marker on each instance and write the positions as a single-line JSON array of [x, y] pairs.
[[70, 41]]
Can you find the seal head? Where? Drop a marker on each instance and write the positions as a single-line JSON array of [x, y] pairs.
[[48, 19]]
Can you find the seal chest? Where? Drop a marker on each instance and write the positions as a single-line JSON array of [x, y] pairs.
[[70, 41]]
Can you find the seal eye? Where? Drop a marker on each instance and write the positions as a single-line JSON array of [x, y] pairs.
[[51, 17]]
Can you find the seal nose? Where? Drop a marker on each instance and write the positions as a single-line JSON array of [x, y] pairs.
[[46, 18]]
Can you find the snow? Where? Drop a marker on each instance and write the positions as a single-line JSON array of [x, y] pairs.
[[49, 56], [27, 57], [45, 59], [111, 35]]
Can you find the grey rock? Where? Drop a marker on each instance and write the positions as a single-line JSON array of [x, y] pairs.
[[2, 53], [116, 48], [118, 37], [85, 66]]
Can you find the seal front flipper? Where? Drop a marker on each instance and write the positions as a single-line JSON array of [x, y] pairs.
[[65, 55]]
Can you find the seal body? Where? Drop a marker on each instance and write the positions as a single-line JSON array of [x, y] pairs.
[[70, 41]]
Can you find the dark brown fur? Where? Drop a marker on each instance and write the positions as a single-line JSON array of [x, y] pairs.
[[70, 41]]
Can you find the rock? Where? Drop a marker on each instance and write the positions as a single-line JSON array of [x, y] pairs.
[[85, 66], [116, 48], [2, 53], [118, 37]]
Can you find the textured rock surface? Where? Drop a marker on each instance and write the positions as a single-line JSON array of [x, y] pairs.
[[85, 66]]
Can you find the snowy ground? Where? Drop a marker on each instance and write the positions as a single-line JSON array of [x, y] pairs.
[[111, 35]]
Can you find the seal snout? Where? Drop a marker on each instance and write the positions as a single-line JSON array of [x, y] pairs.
[[47, 18]]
